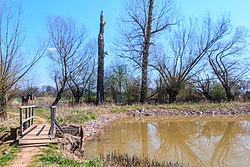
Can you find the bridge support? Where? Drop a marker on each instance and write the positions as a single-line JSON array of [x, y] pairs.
[[54, 123]]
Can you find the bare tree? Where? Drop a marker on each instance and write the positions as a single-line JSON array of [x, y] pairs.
[[80, 78], [204, 86], [143, 22], [189, 44], [67, 42], [13, 64], [100, 73], [227, 59]]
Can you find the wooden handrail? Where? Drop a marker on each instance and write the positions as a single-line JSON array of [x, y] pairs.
[[26, 118], [33, 106], [29, 119]]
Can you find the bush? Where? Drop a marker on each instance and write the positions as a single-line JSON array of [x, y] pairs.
[[218, 93]]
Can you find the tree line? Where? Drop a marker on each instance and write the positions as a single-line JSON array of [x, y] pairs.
[[165, 57]]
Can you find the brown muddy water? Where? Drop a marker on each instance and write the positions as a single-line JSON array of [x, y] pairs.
[[197, 141]]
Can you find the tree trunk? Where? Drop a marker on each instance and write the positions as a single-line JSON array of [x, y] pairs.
[[172, 96], [207, 95], [230, 96], [77, 93], [144, 82], [77, 99], [144, 85], [59, 95], [100, 77], [3, 104], [89, 93]]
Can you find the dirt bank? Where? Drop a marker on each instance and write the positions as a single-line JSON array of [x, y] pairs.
[[94, 126]]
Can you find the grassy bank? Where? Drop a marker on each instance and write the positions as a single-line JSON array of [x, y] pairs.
[[53, 156], [83, 113], [8, 154]]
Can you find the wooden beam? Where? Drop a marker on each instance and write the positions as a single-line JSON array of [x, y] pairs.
[[32, 106], [27, 119]]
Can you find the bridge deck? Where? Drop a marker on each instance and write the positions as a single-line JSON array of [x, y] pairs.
[[38, 135]]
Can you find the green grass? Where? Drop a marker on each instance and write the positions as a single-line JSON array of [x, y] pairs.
[[178, 106], [5, 159], [43, 113], [76, 116], [83, 114], [91, 115], [86, 113], [2, 128], [8, 154], [51, 156]]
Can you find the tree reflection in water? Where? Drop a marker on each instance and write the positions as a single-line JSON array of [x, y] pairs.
[[197, 141], [230, 146], [175, 138]]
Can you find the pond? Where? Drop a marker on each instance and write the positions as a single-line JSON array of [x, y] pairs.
[[197, 141]]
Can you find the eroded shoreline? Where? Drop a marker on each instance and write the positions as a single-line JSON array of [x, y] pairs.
[[93, 127]]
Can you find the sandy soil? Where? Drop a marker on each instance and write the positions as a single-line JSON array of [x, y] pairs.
[[24, 157]]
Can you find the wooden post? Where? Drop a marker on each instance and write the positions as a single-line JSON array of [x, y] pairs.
[[52, 120], [21, 121], [100, 77], [26, 116], [32, 114], [29, 122]]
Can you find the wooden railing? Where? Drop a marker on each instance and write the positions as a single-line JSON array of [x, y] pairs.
[[26, 118], [54, 123]]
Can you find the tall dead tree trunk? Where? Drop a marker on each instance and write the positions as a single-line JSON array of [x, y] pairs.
[[100, 77]]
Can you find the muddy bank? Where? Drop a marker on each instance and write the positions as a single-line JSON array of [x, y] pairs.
[[237, 110], [93, 127]]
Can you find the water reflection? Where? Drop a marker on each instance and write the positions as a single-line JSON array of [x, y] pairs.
[[199, 141]]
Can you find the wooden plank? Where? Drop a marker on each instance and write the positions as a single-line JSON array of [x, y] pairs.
[[29, 129], [40, 130], [34, 145], [35, 138], [44, 141]]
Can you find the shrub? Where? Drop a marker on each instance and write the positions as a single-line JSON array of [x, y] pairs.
[[218, 93]]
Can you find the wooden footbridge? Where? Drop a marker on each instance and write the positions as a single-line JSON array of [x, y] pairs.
[[31, 134]]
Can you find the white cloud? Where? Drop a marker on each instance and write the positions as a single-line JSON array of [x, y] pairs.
[[51, 49]]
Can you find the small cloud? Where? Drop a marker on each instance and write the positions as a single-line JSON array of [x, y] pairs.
[[51, 49]]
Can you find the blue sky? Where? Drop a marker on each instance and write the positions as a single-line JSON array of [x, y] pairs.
[[35, 13]]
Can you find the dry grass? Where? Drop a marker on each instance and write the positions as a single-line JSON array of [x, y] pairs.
[[12, 121], [84, 112]]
